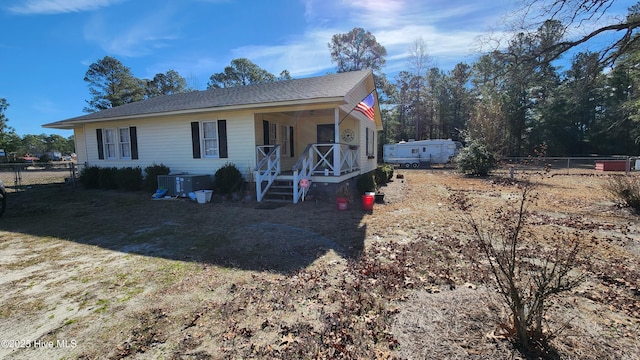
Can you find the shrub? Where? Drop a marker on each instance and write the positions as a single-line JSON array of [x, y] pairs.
[[383, 174], [107, 178], [151, 176], [625, 191], [344, 191], [507, 242], [388, 168], [476, 159], [129, 178], [228, 179], [366, 183], [89, 177]]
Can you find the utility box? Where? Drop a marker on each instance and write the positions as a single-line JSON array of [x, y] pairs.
[[182, 184]]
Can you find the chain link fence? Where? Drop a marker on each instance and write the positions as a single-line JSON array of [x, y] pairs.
[[21, 176], [572, 165]]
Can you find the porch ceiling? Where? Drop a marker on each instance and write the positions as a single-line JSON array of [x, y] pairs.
[[311, 113]]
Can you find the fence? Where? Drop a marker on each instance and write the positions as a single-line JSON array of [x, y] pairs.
[[20, 176], [572, 165]]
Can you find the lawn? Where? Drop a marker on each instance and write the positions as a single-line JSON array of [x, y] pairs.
[[107, 274]]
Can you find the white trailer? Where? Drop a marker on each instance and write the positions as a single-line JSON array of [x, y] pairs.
[[413, 153]]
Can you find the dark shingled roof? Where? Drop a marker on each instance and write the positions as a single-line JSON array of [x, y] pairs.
[[328, 86]]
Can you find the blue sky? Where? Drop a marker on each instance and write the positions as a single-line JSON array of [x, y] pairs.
[[47, 45]]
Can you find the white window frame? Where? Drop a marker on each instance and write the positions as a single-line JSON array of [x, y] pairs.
[[124, 144], [284, 140], [207, 138], [109, 144]]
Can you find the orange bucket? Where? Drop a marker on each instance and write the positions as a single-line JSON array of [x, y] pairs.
[[367, 201]]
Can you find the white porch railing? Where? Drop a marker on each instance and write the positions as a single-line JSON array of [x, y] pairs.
[[303, 169], [320, 160], [267, 168], [349, 155]]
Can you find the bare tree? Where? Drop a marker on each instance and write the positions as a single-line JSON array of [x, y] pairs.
[[419, 62], [589, 16]]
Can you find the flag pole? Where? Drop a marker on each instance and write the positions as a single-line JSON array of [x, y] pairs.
[[349, 113]]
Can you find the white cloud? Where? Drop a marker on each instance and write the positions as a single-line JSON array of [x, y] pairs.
[[60, 6], [141, 37], [452, 30], [451, 34], [304, 56]]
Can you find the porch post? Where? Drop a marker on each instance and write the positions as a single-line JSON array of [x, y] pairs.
[[336, 143]]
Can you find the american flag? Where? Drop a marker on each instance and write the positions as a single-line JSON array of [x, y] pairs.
[[366, 106]]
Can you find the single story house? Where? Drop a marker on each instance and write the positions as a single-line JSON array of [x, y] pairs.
[[311, 130]]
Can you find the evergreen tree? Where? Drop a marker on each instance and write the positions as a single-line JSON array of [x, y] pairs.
[[112, 84]]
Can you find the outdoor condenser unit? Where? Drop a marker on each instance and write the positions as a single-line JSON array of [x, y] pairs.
[[182, 184]]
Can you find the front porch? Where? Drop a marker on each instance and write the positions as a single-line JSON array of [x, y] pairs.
[[327, 163]]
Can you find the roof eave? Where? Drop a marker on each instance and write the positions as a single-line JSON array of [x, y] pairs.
[[301, 103]]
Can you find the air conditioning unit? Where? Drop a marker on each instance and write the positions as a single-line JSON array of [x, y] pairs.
[[182, 184]]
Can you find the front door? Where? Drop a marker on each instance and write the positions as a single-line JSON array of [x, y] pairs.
[[326, 133]]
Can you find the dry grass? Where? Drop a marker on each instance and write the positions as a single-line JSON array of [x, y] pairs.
[[118, 275]]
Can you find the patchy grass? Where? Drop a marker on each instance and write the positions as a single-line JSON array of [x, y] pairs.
[[123, 276]]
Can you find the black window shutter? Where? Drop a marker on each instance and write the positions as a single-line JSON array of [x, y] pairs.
[[367, 142], [291, 141], [133, 135], [195, 139], [265, 132], [222, 138], [100, 145]]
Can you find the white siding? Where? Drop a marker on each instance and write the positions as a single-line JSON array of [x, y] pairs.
[[81, 147], [351, 124], [365, 163], [167, 140]]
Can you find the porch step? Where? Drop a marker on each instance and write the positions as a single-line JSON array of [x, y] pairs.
[[280, 190]]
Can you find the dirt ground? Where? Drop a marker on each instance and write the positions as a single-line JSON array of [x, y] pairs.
[[104, 274]]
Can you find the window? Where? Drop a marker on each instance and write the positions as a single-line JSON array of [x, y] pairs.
[[210, 138], [284, 140], [124, 142], [370, 142], [110, 144], [273, 136]]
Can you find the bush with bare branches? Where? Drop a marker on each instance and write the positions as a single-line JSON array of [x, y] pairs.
[[526, 271], [625, 191]]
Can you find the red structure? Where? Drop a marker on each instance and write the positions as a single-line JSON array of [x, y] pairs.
[[611, 165]]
